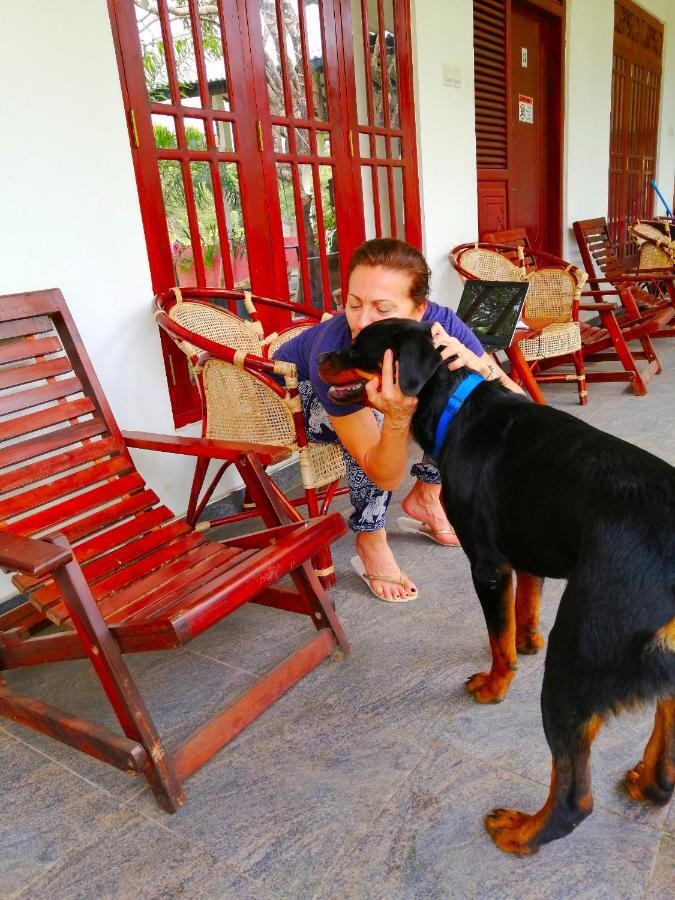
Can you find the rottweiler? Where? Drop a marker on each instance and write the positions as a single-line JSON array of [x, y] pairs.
[[532, 489]]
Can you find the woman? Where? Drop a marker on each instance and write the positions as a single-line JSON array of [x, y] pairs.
[[386, 278]]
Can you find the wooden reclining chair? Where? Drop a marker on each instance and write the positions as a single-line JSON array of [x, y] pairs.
[[100, 557], [643, 294], [234, 370], [604, 339]]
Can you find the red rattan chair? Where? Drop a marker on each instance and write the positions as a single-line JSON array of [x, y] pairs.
[[604, 339], [241, 399], [98, 555], [643, 294]]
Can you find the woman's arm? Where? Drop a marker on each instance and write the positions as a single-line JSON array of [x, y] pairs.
[[382, 454], [484, 365]]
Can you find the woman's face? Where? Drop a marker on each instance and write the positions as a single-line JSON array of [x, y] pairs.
[[375, 293]]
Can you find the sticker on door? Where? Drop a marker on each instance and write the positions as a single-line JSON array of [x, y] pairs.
[[525, 109]]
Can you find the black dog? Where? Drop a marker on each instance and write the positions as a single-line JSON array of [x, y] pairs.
[[534, 489]]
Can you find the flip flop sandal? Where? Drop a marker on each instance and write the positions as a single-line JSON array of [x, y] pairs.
[[412, 526], [360, 569]]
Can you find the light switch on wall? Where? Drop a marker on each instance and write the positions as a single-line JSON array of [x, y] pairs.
[[452, 76]]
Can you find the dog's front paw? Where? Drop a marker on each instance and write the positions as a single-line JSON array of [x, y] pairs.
[[529, 641], [487, 687], [509, 829]]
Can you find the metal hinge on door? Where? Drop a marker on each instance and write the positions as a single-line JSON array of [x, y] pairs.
[[259, 132], [134, 128], [351, 142]]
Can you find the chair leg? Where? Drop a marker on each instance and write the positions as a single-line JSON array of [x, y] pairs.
[[624, 354], [201, 466], [116, 680], [275, 510], [323, 561], [581, 373]]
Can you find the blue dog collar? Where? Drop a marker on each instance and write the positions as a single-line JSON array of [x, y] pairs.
[[452, 407]]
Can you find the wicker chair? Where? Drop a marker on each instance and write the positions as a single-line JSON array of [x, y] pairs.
[[552, 305], [242, 399], [603, 338], [655, 246]]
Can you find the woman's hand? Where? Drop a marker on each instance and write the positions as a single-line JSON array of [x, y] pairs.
[[464, 356], [484, 365], [385, 395]]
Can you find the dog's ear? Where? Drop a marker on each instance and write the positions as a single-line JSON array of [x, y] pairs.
[[417, 361]]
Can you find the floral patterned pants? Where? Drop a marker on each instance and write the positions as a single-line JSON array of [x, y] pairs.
[[369, 501]]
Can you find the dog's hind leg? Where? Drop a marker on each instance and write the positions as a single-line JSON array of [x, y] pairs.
[[653, 778], [528, 601], [494, 586]]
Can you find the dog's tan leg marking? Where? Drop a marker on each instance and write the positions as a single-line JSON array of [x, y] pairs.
[[492, 686], [653, 778], [569, 801], [528, 601]]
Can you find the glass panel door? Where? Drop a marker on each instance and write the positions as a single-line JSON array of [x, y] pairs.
[[377, 33], [293, 48]]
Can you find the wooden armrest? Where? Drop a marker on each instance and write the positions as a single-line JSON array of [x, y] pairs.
[[599, 293], [598, 307], [30, 556], [193, 446]]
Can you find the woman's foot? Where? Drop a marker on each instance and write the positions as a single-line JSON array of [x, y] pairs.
[[376, 556], [424, 504]]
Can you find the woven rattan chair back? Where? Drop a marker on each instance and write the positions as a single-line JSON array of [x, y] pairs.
[[489, 265], [551, 294], [218, 325], [656, 250], [240, 407]]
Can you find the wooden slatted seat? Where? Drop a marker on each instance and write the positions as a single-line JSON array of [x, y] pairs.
[[96, 552]]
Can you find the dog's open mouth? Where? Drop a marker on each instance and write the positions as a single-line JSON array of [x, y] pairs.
[[351, 392], [346, 385]]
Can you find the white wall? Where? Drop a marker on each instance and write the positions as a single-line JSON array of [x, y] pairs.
[[446, 144], [588, 97], [70, 213]]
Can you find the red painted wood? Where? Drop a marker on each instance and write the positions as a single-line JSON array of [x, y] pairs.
[[55, 390], [54, 465], [60, 488], [36, 421], [56, 440], [94, 740], [17, 350]]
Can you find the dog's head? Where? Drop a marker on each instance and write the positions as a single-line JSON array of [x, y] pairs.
[[348, 371]]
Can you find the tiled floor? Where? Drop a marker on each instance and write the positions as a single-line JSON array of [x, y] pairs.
[[369, 779]]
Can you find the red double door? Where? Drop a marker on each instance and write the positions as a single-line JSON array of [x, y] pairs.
[[270, 137]]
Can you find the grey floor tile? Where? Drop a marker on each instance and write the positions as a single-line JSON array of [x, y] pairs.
[[430, 841], [46, 812], [181, 689], [662, 882], [131, 858], [279, 802]]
